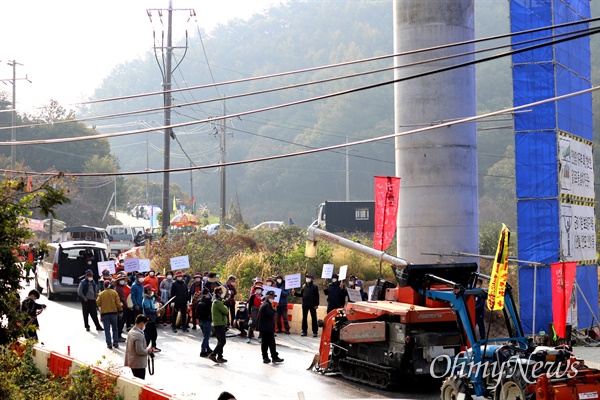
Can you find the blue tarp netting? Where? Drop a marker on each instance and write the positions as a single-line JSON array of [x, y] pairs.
[[541, 74]]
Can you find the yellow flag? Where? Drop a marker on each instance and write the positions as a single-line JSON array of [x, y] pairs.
[[174, 204], [495, 300]]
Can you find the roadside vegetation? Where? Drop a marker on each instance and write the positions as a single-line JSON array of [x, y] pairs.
[[20, 379], [263, 253]]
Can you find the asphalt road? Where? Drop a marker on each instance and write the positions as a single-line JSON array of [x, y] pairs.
[[180, 371]]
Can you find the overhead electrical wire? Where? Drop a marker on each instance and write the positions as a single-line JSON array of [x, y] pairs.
[[327, 148], [335, 65], [307, 100], [303, 84]]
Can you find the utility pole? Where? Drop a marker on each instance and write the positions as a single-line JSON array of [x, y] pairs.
[[166, 215], [191, 188], [223, 169], [167, 101], [13, 131]]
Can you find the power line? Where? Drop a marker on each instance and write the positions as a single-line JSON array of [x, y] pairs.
[[333, 147], [310, 99], [346, 63]]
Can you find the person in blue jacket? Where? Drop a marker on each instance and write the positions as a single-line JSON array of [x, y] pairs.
[[281, 315], [137, 294]]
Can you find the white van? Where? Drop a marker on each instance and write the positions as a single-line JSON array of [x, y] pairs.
[[88, 233]]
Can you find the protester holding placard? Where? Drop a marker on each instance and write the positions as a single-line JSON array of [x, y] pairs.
[[310, 302], [123, 291], [165, 293], [281, 315], [336, 294], [179, 290]]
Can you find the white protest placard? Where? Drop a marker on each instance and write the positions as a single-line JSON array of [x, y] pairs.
[[354, 295], [327, 271], [343, 272], [293, 281], [371, 290], [181, 262], [276, 290], [132, 264], [144, 265], [109, 265]]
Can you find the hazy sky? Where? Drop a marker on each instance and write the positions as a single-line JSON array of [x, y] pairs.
[[68, 46]]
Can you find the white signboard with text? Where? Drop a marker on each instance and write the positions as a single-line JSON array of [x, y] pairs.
[[144, 265], [354, 295], [293, 281], [343, 272], [181, 262], [327, 271], [132, 264], [577, 232], [109, 265]]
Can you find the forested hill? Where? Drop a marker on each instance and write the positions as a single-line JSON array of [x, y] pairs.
[[288, 37]]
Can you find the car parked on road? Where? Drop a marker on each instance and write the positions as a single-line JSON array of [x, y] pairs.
[[64, 264], [121, 238], [213, 229], [270, 225], [151, 210]]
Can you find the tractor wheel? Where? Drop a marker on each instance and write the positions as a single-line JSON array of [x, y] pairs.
[[513, 388], [455, 388]]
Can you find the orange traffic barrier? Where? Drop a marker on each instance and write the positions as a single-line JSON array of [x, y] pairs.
[[149, 393], [59, 365]]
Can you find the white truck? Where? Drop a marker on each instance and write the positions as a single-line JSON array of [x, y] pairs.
[[121, 238]]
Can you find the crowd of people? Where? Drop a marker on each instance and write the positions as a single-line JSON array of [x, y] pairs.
[[138, 303]]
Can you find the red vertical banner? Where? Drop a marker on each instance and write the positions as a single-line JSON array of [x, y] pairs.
[[563, 277], [387, 195]]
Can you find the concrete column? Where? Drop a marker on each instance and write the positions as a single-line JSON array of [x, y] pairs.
[[438, 192]]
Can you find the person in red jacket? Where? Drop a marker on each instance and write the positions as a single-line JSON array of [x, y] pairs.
[[152, 280], [254, 304]]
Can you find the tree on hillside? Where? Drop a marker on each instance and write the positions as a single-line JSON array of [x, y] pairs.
[[53, 122], [16, 203], [91, 195]]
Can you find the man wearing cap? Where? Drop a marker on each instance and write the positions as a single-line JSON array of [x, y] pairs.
[[336, 294], [110, 310], [352, 280], [282, 307], [219, 313], [310, 302], [240, 321], [266, 326], [195, 293], [179, 290], [137, 350], [87, 293]]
